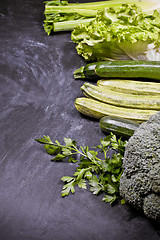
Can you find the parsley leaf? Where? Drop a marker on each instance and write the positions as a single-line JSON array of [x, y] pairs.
[[69, 187], [103, 175], [96, 187]]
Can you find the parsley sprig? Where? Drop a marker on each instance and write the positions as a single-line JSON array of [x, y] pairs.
[[102, 175]]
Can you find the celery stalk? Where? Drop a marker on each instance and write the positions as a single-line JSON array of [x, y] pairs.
[[69, 25], [64, 16], [82, 12]]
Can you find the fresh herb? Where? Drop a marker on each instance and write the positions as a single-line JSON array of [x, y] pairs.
[[102, 175]]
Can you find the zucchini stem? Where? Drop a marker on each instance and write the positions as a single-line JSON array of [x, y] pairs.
[[79, 73]]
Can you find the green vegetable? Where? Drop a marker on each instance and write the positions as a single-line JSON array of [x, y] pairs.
[[64, 16], [140, 181], [119, 99], [121, 69], [129, 69], [124, 33], [87, 71], [69, 25], [119, 126], [103, 175], [97, 109], [131, 86]]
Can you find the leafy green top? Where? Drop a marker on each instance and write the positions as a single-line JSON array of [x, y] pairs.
[[102, 175], [118, 34]]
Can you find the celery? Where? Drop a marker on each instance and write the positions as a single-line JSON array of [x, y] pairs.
[[64, 16], [69, 25]]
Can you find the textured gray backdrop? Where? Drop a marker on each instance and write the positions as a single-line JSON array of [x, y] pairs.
[[37, 97]]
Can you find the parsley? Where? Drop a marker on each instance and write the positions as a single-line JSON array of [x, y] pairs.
[[102, 175]]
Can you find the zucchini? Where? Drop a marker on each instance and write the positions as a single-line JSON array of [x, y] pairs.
[[97, 109], [130, 69], [87, 72], [131, 86], [121, 99], [119, 126]]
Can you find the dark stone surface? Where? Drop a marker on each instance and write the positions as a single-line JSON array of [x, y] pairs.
[[37, 97]]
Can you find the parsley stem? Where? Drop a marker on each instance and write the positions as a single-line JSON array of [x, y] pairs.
[[102, 176]]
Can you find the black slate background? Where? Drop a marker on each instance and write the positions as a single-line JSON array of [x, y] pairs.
[[37, 98]]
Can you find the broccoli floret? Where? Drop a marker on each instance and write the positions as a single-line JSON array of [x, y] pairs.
[[140, 181]]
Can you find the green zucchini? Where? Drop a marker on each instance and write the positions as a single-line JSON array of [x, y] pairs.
[[131, 86], [130, 69], [86, 72], [119, 126], [119, 99], [97, 109]]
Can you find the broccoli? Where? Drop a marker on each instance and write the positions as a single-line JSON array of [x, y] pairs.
[[140, 181]]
